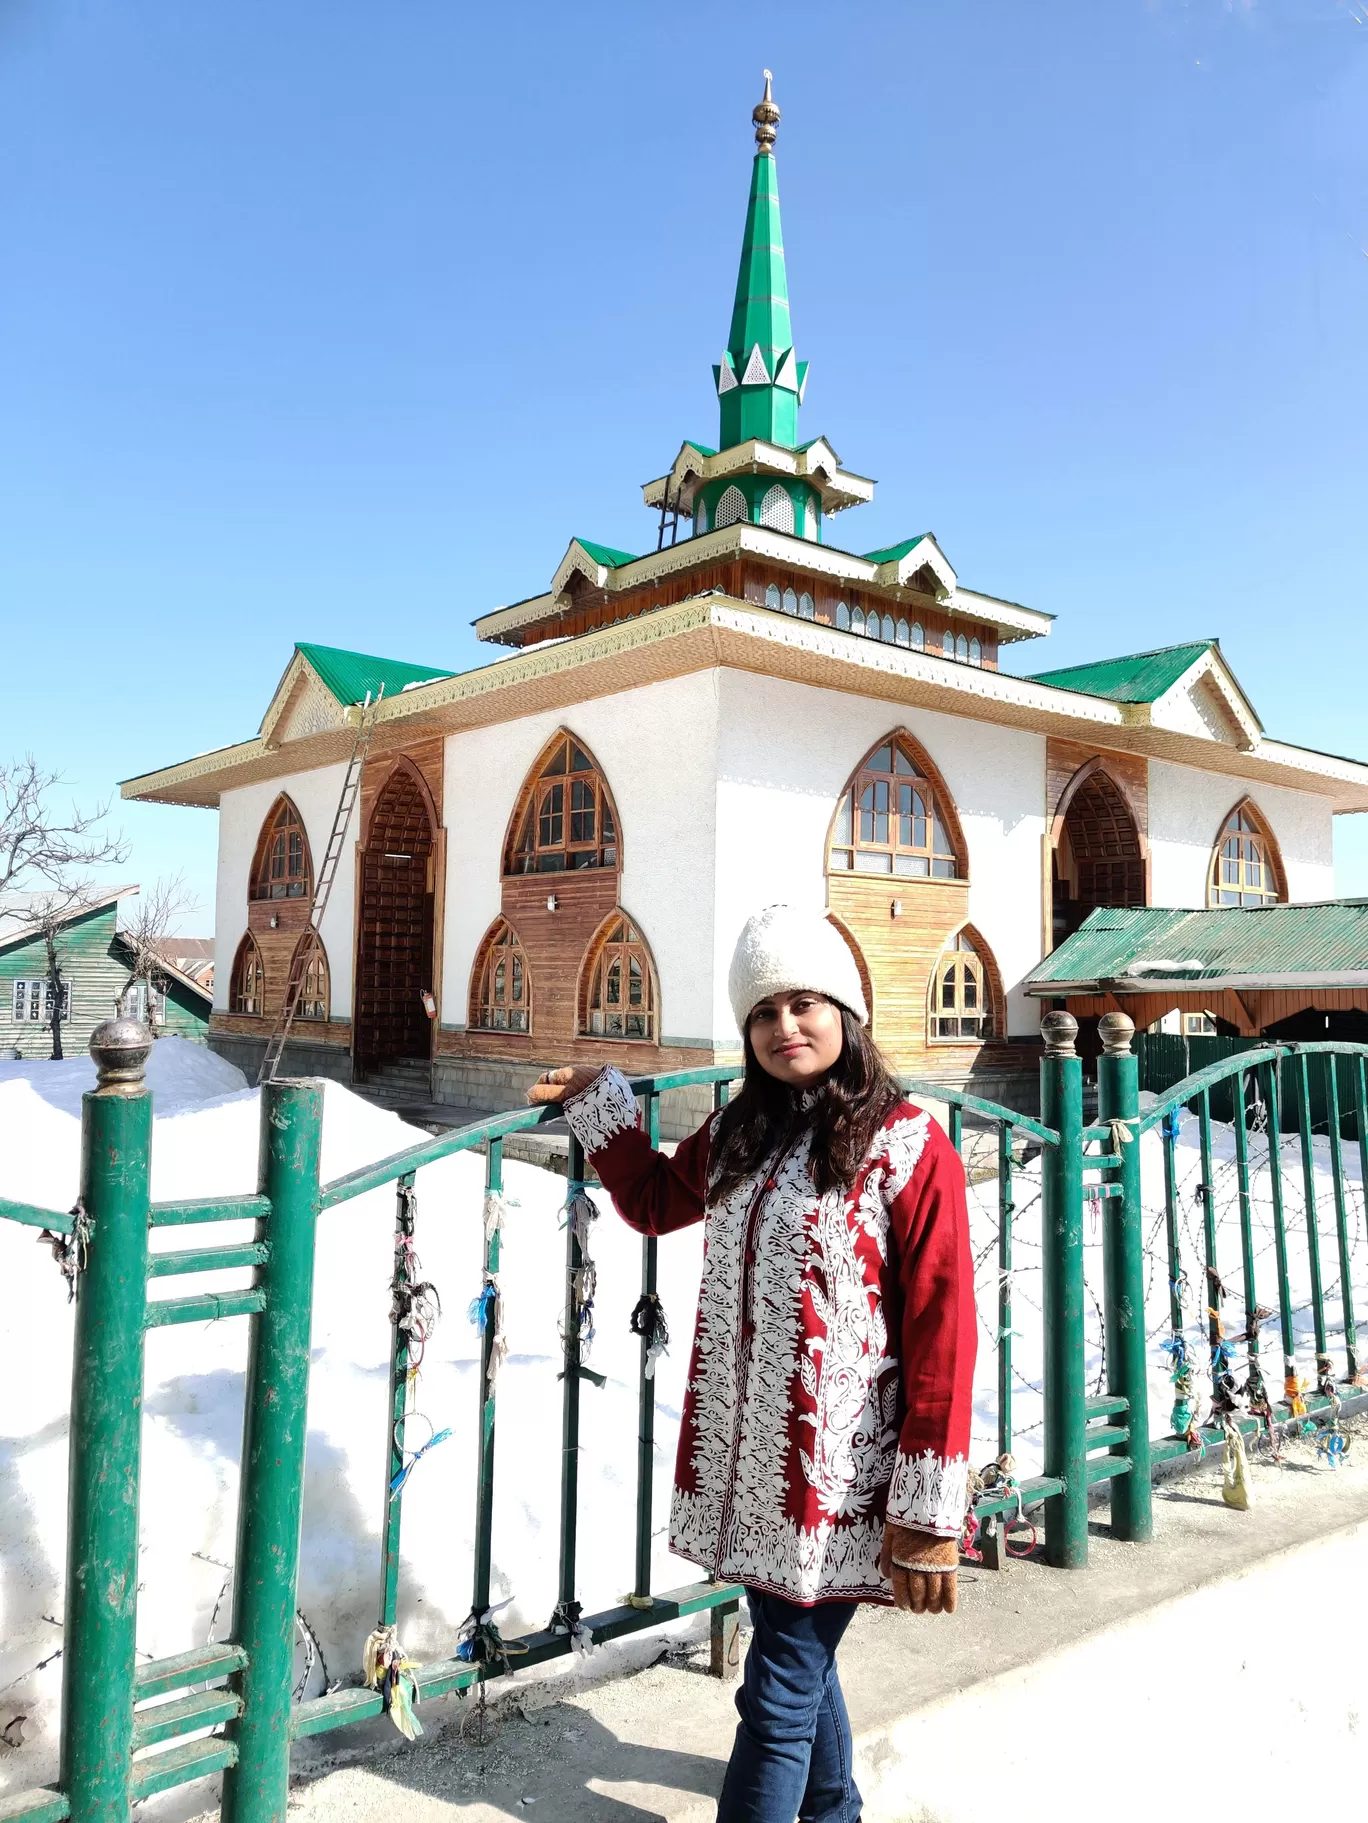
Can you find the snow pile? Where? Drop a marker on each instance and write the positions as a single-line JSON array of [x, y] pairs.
[[205, 1143]]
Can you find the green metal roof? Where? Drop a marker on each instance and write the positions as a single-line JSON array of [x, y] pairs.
[[1148, 944], [606, 555], [702, 448], [1141, 677], [350, 675], [894, 553]]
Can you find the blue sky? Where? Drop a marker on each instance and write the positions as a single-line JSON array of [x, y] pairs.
[[334, 321]]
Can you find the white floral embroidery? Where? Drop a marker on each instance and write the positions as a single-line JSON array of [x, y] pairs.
[[930, 1493], [846, 1374], [606, 1107], [771, 1552]]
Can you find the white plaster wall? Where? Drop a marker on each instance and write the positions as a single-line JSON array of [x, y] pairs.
[[241, 814], [1187, 810], [785, 751], [657, 748]]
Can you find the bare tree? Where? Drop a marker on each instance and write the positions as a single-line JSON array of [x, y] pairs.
[[147, 932], [42, 847]]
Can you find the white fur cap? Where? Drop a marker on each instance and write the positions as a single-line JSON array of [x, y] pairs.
[[782, 950]]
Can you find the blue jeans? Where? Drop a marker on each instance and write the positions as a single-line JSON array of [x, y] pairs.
[[792, 1755]]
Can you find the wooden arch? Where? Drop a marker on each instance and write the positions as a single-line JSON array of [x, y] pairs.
[[931, 772], [475, 1003], [1087, 772], [992, 975], [281, 820], [526, 791], [866, 979], [402, 770], [589, 963], [252, 988], [1263, 829]]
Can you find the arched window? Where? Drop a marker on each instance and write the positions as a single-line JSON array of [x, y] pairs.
[[315, 998], [620, 998], [701, 519], [1245, 868], [843, 617], [567, 820], [807, 607], [948, 643], [903, 635], [888, 821], [249, 978], [776, 509], [502, 1000], [890, 632], [774, 595], [283, 868], [962, 649], [918, 637], [790, 601], [975, 651], [961, 1009], [731, 508], [857, 620]]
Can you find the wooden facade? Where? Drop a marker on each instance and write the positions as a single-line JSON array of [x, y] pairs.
[[747, 579]]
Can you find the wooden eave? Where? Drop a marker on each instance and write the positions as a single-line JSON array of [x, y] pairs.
[[821, 561], [717, 631], [817, 463]]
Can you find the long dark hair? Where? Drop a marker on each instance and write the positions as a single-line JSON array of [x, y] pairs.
[[767, 1116]]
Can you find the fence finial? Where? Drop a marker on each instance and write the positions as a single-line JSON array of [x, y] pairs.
[[120, 1048], [1059, 1031], [1116, 1031]]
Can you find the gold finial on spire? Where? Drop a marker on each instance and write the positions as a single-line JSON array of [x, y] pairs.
[[766, 117]]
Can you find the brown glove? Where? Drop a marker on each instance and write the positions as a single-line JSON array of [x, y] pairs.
[[921, 1568]]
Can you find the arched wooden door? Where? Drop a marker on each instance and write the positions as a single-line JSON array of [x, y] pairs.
[[395, 947], [1099, 858]]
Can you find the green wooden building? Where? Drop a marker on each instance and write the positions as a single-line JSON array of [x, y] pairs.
[[95, 964]]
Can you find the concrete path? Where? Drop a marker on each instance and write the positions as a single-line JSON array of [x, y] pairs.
[[1219, 1665]]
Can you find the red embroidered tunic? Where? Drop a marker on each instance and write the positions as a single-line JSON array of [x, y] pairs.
[[832, 1369]]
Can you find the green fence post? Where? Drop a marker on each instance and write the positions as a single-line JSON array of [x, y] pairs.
[[275, 1425], [1061, 1107], [106, 1428], [1123, 1257]]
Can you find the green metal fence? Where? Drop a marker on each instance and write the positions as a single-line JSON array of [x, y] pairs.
[[118, 1744]]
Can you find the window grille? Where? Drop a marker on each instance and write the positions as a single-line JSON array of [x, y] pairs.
[[283, 869], [961, 1005], [1242, 871], [731, 508], [568, 822], [776, 509], [503, 1001], [621, 1001], [887, 821]]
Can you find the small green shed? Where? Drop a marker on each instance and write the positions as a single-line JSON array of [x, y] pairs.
[[94, 963]]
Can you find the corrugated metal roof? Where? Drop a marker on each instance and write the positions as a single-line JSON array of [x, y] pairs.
[[350, 675], [894, 553], [1150, 943], [1142, 677], [605, 554]]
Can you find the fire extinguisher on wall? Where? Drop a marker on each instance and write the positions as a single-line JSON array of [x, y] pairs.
[[429, 1004]]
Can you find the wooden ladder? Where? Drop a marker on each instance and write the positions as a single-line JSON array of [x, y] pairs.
[[332, 855]]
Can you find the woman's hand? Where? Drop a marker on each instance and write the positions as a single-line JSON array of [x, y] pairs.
[[565, 1084], [921, 1568]]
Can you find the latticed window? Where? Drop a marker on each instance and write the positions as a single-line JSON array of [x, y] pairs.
[[1242, 868], [961, 1004], [948, 643], [975, 651], [843, 616], [315, 999], [807, 607], [568, 823], [503, 1001], [888, 823], [791, 601], [776, 509], [249, 978], [282, 866], [701, 520], [918, 637], [774, 595], [731, 508], [620, 1001]]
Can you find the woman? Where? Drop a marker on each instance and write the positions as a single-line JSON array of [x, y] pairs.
[[822, 1454]]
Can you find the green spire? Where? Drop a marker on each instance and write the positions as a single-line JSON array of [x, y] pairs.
[[759, 383]]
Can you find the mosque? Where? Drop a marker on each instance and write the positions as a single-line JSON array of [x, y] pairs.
[[457, 879]]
